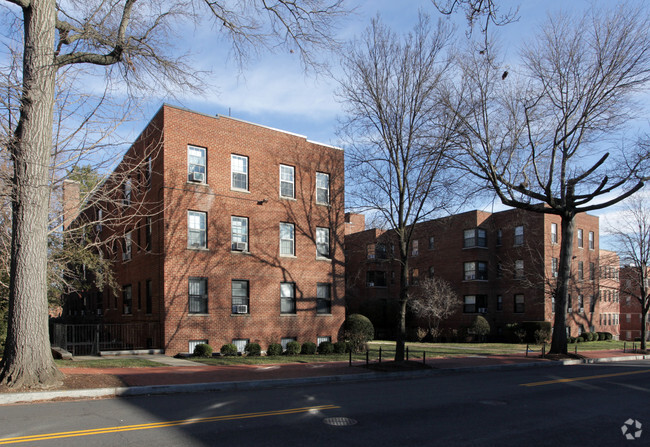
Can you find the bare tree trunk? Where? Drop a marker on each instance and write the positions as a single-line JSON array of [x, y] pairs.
[[27, 360], [400, 341], [644, 319], [559, 340]]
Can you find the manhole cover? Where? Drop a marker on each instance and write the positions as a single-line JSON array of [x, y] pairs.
[[492, 402], [340, 422]]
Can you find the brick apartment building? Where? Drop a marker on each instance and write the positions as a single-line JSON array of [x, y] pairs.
[[234, 234], [630, 305], [502, 266]]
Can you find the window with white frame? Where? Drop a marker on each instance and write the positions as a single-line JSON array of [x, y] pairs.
[[581, 303], [323, 339], [285, 341], [322, 188], [148, 172], [554, 267], [287, 182], [431, 242], [240, 297], [196, 229], [198, 295], [519, 268], [240, 344], [322, 242], [323, 298], [148, 234], [474, 304], [287, 239], [100, 219], [196, 162], [414, 247], [580, 240], [194, 343], [239, 172], [128, 246], [287, 298], [474, 237], [127, 191], [519, 303], [239, 233], [592, 241], [499, 237], [519, 235], [581, 270], [127, 300], [475, 270], [554, 238]]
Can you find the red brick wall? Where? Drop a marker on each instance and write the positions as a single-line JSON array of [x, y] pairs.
[[171, 263]]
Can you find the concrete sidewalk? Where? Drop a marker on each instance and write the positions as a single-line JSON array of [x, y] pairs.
[[178, 375]]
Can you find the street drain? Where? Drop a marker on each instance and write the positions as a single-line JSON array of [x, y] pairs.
[[339, 422]]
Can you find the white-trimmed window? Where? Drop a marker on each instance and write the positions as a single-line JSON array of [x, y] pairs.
[[414, 247], [431, 242], [100, 220], [148, 234], [519, 235], [148, 172], [475, 270], [592, 242], [322, 242], [128, 246], [554, 266], [240, 297], [285, 341], [127, 300], [198, 295], [474, 237], [323, 298], [287, 298], [287, 182], [474, 304], [581, 270], [287, 239], [580, 238], [323, 339], [196, 229], [322, 188], [239, 172], [239, 233], [194, 343], [196, 162], [240, 344], [519, 268], [554, 238], [128, 187]]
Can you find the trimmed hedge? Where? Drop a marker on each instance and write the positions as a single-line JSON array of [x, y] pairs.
[[293, 348], [325, 348], [229, 349], [253, 349], [202, 350], [274, 349], [308, 348], [531, 328], [341, 347], [357, 330]]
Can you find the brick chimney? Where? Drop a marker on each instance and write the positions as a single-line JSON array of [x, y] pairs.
[[71, 192]]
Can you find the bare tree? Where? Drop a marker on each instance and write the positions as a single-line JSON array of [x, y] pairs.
[[551, 141], [632, 237], [396, 158], [134, 39], [483, 12], [434, 299]]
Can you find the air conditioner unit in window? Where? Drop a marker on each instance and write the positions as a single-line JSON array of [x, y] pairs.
[[239, 246], [198, 177], [240, 309]]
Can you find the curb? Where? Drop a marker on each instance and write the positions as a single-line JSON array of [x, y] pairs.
[[606, 359], [17, 398]]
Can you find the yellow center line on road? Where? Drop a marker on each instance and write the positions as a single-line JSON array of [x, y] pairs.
[[100, 431], [578, 379]]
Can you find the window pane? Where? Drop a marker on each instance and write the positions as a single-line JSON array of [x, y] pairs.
[[287, 298], [323, 242], [322, 188], [324, 301], [287, 181], [240, 297], [196, 225], [198, 295], [195, 161], [239, 233], [239, 170], [286, 239]]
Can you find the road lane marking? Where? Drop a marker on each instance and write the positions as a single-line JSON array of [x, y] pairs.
[[578, 379], [100, 431]]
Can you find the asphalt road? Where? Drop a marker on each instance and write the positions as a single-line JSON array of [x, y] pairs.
[[582, 405]]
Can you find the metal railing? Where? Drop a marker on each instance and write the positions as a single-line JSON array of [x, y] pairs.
[[90, 339]]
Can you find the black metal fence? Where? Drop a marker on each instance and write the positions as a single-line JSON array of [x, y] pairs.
[[90, 339]]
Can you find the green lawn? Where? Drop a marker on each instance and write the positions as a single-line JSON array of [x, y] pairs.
[[416, 351], [107, 363]]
